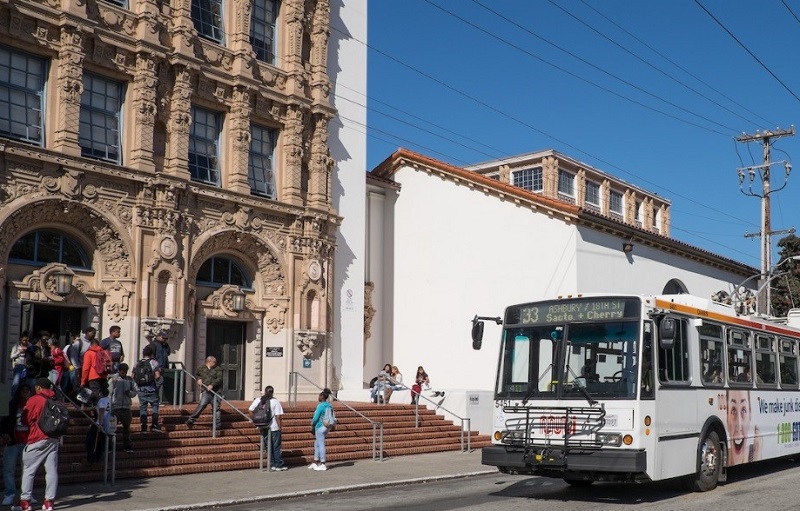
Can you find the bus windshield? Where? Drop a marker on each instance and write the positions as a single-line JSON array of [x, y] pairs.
[[554, 361]]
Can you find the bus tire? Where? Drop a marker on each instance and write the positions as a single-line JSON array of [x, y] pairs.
[[709, 463], [578, 483]]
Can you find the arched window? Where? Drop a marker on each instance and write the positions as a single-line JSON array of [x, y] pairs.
[[43, 247], [675, 287], [218, 271]]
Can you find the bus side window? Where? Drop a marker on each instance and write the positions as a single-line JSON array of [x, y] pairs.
[[673, 363], [712, 353], [788, 362], [765, 360], [646, 385], [740, 358]]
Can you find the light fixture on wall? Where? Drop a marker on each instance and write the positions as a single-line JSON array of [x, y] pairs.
[[237, 301], [63, 283], [627, 246]]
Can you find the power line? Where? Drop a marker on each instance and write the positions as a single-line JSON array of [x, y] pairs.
[[790, 10], [585, 80], [768, 70], [665, 57]]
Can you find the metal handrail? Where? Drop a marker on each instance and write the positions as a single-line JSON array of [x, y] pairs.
[[111, 438], [376, 425], [179, 390], [437, 406], [215, 405]]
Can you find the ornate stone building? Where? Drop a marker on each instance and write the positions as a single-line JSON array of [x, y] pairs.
[[172, 158]]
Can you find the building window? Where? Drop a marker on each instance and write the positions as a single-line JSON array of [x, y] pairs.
[[207, 17], [528, 179], [121, 3], [43, 247], [262, 29], [638, 214], [203, 146], [219, 271], [616, 203], [566, 183], [260, 169], [593, 194], [101, 102], [22, 78]]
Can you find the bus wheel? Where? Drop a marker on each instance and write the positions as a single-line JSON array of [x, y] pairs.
[[578, 483], [709, 464]]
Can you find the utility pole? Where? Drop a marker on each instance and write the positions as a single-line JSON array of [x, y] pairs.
[[763, 170]]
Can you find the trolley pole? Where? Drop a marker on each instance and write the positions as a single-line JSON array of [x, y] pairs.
[[763, 171]]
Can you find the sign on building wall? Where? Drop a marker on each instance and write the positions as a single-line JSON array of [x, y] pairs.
[[274, 351]]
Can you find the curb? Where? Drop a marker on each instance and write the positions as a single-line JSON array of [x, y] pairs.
[[321, 491]]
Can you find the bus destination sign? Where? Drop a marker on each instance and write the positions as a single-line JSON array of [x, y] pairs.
[[585, 309]]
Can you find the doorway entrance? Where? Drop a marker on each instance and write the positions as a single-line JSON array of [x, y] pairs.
[[61, 322], [225, 341]]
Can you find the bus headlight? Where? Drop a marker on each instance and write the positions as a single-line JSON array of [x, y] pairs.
[[510, 436], [612, 439]]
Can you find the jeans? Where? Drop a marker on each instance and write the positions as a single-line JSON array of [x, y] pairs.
[[207, 398], [19, 370], [148, 397], [44, 451], [275, 448], [12, 454], [319, 443], [124, 417]]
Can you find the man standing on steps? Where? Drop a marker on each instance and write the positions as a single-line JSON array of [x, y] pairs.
[[114, 347], [147, 376], [209, 378], [161, 351]]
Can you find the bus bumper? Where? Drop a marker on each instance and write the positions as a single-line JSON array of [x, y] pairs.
[[554, 462]]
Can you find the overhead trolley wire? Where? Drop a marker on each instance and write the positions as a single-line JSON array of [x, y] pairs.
[[768, 70]]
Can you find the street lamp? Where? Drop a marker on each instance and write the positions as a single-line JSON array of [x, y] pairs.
[[237, 301], [63, 283]]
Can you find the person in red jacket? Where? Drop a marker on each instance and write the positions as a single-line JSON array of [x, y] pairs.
[[96, 382], [39, 449]]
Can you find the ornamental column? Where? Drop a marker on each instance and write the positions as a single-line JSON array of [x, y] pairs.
[[179, 122], [69, 84], [144, 113]]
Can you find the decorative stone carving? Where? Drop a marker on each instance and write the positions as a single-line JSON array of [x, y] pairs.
[[369, 310], [43, 282], [275, 317], [117, 302], [310, 343], [222, 300], [114, 253], [168, 248]]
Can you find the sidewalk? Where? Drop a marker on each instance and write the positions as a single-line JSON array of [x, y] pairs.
[[195, 491]]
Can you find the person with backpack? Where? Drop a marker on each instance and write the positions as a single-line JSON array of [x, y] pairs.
[[267, 412], [42, 444], [123, 390], [322, 422], [209, 379], [113, 345], [95, 371], [147, 377]]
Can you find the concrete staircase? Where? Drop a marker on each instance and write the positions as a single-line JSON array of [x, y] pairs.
[[181, 449]]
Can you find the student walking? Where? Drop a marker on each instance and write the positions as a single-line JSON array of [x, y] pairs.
[[39, 449], [274, 426]]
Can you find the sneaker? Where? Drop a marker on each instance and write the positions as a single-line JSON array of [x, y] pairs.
[[24, 505], [48, 505], [128, 449], [156, 428], [313, 466], [8, 500], [33, 501], [282, 469], [321, 467], [189, 422]]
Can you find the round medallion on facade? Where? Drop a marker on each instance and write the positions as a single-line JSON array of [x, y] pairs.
[[168, 247], [314, 270]]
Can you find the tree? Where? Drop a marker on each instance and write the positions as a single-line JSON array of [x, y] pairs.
[[786, 288]]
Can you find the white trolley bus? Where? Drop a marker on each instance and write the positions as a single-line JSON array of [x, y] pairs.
[[641, 388]]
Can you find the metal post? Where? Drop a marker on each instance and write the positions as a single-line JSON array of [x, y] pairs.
[[374, 438], [381, 453], [469, 434], [269, 446], [105, 458], [214, 407], [260, 451], [113, 459]]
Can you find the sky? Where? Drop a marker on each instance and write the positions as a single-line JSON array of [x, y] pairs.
[[651, 92]]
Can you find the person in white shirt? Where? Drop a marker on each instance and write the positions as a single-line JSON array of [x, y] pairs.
[[274, 428]]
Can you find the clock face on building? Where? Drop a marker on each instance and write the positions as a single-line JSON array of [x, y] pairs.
[[314, 270]]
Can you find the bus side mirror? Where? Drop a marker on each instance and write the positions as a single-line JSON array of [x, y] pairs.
[[477, 334], [666, 333]]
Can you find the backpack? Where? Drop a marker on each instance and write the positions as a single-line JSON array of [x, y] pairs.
[[143, 374], [329, 418], [54, 419], [262, 415], [102, 362]]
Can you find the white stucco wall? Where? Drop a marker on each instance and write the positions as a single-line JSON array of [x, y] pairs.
[[348, 142], [455, 252]]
